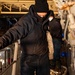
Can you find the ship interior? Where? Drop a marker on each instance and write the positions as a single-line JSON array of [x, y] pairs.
[[12, 10]]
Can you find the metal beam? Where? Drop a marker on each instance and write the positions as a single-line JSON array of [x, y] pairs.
[[13, 12], [9, 5]]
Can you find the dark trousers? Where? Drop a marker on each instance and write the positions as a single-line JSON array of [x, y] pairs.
[[55, 62], [57, 47], [35, 63]]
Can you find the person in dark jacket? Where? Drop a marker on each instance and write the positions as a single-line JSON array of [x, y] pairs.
[[32, 34], [56, 33]]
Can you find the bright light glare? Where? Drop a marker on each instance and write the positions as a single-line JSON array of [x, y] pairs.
[[1, 60]]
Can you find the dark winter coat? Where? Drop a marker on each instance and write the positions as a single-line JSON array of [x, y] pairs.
[[55, 29], [30, 32]]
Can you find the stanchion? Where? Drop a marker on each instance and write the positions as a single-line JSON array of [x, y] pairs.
[[15, 58]]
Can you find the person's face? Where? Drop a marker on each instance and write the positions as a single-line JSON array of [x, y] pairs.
[[42, 14]]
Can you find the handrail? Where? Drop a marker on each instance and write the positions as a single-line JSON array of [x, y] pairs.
[[9, 66], [4, 49], [10, 63], [15, 58]]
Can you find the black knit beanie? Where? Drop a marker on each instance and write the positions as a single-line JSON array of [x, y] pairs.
[[41, 6]]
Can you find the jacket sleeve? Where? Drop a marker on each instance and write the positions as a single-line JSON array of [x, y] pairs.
[[19, 30]]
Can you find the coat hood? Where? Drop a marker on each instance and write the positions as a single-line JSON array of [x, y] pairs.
[[32, 10]]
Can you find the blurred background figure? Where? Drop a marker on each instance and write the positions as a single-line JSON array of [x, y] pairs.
[[56, 33]]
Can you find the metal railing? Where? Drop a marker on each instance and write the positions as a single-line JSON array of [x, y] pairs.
[[9, 59], [15, 7]]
